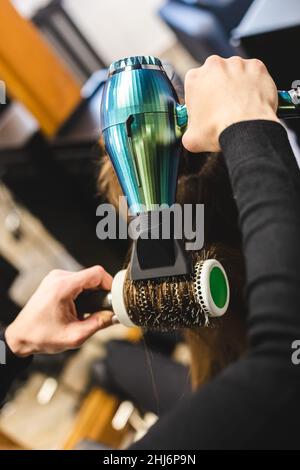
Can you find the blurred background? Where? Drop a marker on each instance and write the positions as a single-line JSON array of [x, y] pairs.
[[53, 62]]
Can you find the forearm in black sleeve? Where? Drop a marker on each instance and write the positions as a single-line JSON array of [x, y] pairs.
[[254, 404], [11, 366]]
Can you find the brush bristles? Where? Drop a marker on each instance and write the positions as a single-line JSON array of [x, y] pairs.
[[165, 303]]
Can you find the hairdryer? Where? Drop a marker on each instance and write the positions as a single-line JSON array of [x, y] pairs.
[[142, 124]]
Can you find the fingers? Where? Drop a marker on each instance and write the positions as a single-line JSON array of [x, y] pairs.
[[91, 278], [200, 143], [78, 332], [223, 92]]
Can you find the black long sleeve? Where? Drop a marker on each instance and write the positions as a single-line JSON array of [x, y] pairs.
[[11, 369], [254, 404]]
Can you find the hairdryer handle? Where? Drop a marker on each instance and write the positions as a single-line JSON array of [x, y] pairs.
[[289, 104], [182, 116], [289, 108]]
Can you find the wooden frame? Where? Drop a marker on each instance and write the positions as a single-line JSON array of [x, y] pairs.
[[33, 73]]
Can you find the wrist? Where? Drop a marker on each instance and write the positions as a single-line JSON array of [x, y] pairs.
[[255, 115], [16, 343]]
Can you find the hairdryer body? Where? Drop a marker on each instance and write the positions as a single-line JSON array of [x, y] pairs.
[[141, 125]]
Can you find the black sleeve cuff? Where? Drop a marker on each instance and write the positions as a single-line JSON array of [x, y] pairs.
[[252, 142], [249, 134], [247, 139], [10, 367]]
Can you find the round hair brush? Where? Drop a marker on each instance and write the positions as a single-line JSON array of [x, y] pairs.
[[174, 302]]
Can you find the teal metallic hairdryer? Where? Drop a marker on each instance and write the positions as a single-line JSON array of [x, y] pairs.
[[142, 124]]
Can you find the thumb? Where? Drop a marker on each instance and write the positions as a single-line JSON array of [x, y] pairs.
[[79, 331]]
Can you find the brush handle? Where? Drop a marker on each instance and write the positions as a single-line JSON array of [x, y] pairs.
[[288, 108]]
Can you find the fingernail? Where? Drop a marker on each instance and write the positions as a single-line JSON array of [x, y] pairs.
[[115, 320]]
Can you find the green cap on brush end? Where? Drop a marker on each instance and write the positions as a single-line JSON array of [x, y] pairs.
[[212, 287]]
